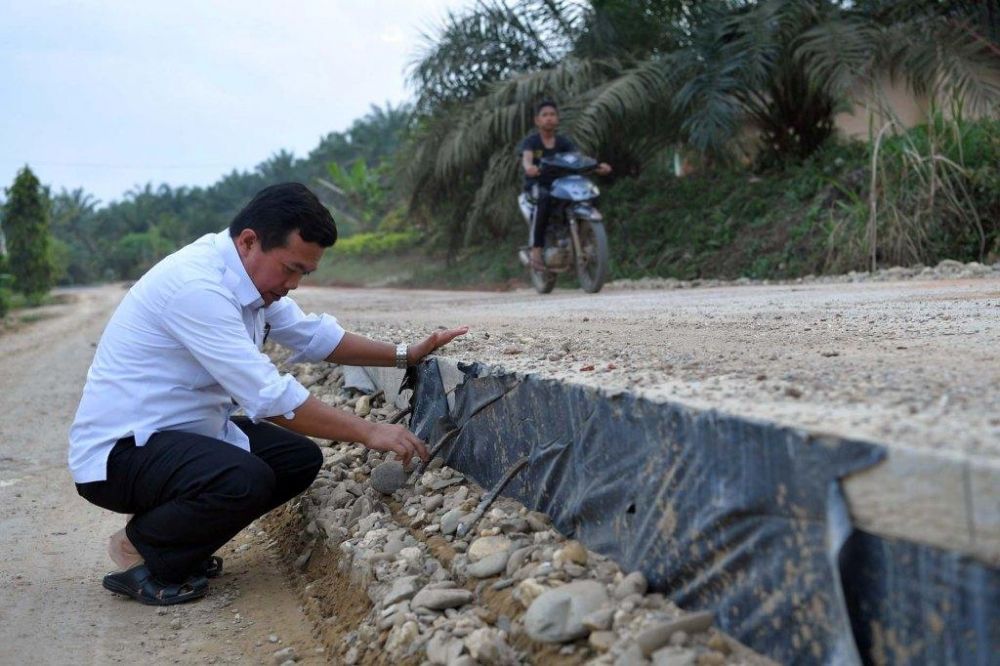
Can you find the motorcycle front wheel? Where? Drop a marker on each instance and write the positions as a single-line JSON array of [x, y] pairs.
[[543, 281], [592, 264]]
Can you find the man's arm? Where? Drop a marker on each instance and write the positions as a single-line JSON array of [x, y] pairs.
[[356, 349], [528, 162], [315, 418]]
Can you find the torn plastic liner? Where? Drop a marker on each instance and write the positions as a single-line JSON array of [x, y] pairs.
[[719, 512]]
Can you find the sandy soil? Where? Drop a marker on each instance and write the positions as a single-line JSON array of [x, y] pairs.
[[910, 364], [52, 542]]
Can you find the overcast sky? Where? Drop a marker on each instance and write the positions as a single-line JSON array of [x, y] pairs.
[[110, 95]]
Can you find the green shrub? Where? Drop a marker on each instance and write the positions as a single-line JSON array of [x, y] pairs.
[[937, 196], [376, 243]]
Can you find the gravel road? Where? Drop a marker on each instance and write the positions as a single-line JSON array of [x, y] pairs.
[[911, 364], [908, 363]]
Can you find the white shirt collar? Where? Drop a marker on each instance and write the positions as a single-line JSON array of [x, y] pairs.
[[236, 277]]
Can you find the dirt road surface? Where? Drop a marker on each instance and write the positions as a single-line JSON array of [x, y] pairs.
[[52, 542], [913, 364]]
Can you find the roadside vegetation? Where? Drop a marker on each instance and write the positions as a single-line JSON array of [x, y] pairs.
[[740, 96]]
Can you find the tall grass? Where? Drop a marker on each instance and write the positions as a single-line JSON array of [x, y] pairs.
[[934, 193]]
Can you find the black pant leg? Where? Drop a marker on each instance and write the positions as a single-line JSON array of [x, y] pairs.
[[543, 203], [294, 458], [190, 495]]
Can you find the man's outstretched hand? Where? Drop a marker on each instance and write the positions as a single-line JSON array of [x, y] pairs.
[[433, 342], [396, 438]]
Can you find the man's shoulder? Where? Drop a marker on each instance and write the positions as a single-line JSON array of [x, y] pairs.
[[531, 142], [196, 266], [563, 142]]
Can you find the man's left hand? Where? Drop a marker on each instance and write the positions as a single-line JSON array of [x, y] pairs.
[[603, 169], [433, 342]]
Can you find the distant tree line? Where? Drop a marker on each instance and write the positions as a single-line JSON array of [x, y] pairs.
[[637, 81], [91, 243]]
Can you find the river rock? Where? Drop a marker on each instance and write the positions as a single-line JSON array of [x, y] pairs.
[[527, 591], [556, 616], [673, 656], [517, 558], [573, 552], [443, 649], [411, 553], [634, 583], [600, 619], [657, 635], [450, 521], [440, 599], [388, 477], [602, 640], [402, 588], [456, 498], [631, 656], [486, 546], [538, 522], [487, 646], [402, 637], [433, 502], [285, 654], [490, 565], [363, 406]]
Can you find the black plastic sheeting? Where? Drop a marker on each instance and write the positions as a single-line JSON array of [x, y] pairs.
[[742, 517]]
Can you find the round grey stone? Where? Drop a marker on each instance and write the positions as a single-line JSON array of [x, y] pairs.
[[388, 477], [556, 615], [490, 565]]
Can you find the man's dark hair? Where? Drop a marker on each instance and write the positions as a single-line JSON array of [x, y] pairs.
[[278, 210], [544, 103]]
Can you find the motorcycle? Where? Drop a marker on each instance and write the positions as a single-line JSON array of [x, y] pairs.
[[575, 235]]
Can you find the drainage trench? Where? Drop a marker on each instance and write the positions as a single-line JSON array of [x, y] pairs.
[[424, 566], [740, 517]]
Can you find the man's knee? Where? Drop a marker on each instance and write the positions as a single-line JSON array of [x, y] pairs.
[[249, 483]]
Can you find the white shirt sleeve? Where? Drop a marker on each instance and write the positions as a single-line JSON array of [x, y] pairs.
[[313, 337], [207, 320]]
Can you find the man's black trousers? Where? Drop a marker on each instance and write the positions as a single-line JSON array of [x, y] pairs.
[[191, 494], [543, 204]]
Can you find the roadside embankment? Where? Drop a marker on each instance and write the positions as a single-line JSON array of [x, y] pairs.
[[387, 579], [901, 375]]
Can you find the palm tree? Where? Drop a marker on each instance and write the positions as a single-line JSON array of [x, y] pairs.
[[707, 74]]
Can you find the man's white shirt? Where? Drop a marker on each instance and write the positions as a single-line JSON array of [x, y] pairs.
[[182, 352]]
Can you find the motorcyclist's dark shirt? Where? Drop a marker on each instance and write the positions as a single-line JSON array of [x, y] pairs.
[[533, 142]]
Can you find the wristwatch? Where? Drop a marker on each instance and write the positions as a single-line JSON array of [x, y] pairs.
[[401, 349]]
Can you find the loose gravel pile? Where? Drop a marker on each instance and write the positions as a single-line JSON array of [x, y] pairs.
[[512, 591], [947, 269]]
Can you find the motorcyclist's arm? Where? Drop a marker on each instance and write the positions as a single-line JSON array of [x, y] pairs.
[[528, 162]]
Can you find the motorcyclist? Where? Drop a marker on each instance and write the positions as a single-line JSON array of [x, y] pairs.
[[546, 142]]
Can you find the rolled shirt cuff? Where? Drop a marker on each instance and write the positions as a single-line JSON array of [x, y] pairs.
[[328, 335], [281, 398]]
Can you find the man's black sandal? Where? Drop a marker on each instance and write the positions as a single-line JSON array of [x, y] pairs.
[[212, 567], [138, 583]]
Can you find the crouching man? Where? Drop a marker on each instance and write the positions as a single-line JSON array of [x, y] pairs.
[[155, 434]]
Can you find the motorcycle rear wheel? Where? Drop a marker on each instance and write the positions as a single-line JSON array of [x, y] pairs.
[[592, 264]]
